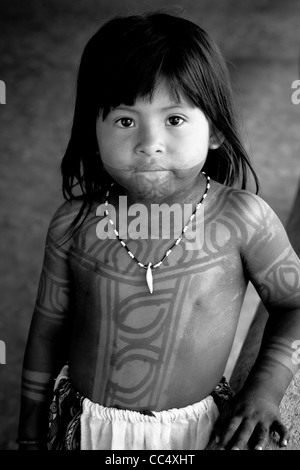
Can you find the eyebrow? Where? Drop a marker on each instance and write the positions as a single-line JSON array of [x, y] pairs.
[[175, 105], [165, 108]]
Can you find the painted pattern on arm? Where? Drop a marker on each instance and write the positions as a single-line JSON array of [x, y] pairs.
[[281, 281], [45, 346], [52, 296], [281, 350], [274, 268], [51, 310], [35, 385], [270, 261]]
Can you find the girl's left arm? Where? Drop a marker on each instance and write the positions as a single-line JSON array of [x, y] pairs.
[[273, 267]]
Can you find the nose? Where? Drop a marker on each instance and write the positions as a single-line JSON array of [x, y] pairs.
[[149, 141]]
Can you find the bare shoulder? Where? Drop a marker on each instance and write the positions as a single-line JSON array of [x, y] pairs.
[[239, 200], [62, 219], [244, 213]]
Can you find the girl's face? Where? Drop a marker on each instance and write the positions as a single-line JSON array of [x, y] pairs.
[[154, 148]]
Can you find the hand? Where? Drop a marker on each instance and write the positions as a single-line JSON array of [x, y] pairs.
[[247, 421]]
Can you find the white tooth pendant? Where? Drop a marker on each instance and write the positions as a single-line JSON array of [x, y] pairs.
[[149, 278]]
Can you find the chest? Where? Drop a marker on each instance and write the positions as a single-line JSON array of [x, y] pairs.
[[204, 267]]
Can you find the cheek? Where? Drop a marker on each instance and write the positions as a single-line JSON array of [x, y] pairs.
[[201, 144], [114, 156], [197, 138], [102, 139], [107, 145], [192, 151]]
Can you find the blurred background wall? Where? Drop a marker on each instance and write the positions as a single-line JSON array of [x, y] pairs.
[[40, 47]]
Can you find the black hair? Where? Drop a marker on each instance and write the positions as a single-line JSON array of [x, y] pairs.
[[125, 60]]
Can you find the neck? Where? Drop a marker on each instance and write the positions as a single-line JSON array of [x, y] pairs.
[[188, 194]]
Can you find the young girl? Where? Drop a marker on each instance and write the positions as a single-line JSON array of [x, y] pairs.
[[137, 329]]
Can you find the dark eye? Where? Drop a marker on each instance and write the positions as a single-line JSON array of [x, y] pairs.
[[175, 120], [125, 122]]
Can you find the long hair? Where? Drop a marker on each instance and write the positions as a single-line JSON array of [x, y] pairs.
[[124, 61]]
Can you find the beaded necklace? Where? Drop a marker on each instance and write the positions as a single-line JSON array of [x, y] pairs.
[[150, 266]]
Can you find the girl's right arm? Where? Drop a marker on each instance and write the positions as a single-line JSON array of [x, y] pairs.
[[46, 349]]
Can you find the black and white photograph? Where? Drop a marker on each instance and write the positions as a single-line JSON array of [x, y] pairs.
[[150, 227]]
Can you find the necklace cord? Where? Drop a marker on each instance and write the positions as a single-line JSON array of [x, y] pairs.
[[150, 265]]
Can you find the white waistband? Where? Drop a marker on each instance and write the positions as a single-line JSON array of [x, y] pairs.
[[104, 413]]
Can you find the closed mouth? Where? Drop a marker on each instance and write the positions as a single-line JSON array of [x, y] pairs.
[[149, 168]]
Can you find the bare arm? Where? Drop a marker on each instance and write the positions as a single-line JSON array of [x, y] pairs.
[[273, 267], [46, 348]]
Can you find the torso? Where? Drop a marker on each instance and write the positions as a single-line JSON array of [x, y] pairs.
[[166, 349]]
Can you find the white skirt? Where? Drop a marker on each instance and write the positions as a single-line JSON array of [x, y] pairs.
[[108, 428], [187, 428]]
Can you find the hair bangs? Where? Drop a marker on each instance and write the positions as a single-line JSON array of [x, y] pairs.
[[141, 74]]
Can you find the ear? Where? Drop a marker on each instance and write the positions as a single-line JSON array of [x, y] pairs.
[[216, 140]]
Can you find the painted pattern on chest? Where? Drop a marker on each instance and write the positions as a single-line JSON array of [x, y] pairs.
[[138, 329]]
